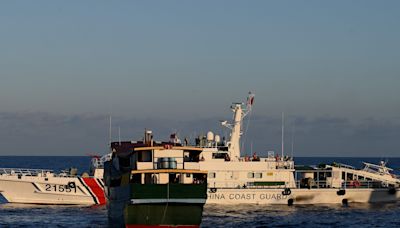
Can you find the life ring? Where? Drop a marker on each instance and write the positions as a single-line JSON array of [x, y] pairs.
[[286, 192], [341, 192]]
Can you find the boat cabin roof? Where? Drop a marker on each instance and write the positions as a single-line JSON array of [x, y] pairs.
[[167, 148], [169, 171]]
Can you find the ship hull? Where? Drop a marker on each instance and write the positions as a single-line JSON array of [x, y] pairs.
[[165, 205], [52, 190], [301, 196], [164, 215]]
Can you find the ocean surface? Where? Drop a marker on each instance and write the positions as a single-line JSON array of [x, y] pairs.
[[354, 215]]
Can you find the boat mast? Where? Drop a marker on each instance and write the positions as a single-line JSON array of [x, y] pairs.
[[239, 114], [119, 135], [234, 146], [283, 133], [109, 132], [292, 139]]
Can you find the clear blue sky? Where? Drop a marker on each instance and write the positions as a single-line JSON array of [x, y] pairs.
[[190, 59]]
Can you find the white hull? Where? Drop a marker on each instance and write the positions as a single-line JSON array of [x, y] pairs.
[[54, 190], [300, 196]]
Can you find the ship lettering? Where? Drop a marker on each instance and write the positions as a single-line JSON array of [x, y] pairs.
[[241, 196], [216, 196], [267, 196]]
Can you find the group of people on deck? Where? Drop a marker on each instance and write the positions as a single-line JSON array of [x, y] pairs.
[[253, 158]]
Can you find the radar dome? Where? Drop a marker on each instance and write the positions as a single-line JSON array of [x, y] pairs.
[[210, 136], [217, 138]]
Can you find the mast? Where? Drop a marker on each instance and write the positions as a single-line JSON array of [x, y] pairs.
[[292, 139], [239, 113], [119, 135], [283, 133], [234, 146], [110, 133]]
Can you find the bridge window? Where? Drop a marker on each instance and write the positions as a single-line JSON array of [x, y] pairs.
[[145, 156]]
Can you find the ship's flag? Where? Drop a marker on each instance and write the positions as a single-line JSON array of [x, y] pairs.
[[250, 99]]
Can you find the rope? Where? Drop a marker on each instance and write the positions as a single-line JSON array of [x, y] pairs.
[[166, 205]]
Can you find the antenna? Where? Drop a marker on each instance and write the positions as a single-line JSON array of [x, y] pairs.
[[293, 127], [110, 132], [283, 133], [251, 148], [119, 135]]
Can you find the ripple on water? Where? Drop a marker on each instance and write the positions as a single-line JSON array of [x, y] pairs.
[[354, 215]]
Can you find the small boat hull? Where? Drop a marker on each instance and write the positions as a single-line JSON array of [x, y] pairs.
[[52, 190]]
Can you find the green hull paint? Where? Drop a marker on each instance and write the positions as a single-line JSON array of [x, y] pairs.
[[171, 191], [268, 183], [164, 214]]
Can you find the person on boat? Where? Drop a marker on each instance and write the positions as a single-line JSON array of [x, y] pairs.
[[255, 157], [227, 158]]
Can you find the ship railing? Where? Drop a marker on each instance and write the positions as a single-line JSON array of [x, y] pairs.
[[98, 162], [314, 184], [278, 164], [247, 185], [25, 172], [227, 184], [285, 164], [344, 185], [366, 184], [252, 185]]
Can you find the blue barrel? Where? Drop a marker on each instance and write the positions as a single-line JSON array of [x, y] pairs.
[[164, 163], [172, 163]]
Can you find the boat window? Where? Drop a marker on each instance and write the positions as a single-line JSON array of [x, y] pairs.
[[174, 178], [218, 155], [148, 178], [136, 178], [187, 175], [350, 176], [258, 175], [191, 156], [211, 175], [250, 175], [145, 156]]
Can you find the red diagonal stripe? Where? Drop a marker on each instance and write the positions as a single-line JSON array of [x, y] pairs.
[[95, 188]]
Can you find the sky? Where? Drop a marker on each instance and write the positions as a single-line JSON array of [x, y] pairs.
[[331, 66]]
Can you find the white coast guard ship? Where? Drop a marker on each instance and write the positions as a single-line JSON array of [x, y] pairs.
[[40, 186], [234, 179]]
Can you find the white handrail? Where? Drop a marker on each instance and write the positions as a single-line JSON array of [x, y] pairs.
[[24, 172]]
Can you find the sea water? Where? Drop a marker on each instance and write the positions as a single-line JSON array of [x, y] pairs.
[[354, 215]]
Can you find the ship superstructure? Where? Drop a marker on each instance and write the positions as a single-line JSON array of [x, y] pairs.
[[275, 179]]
